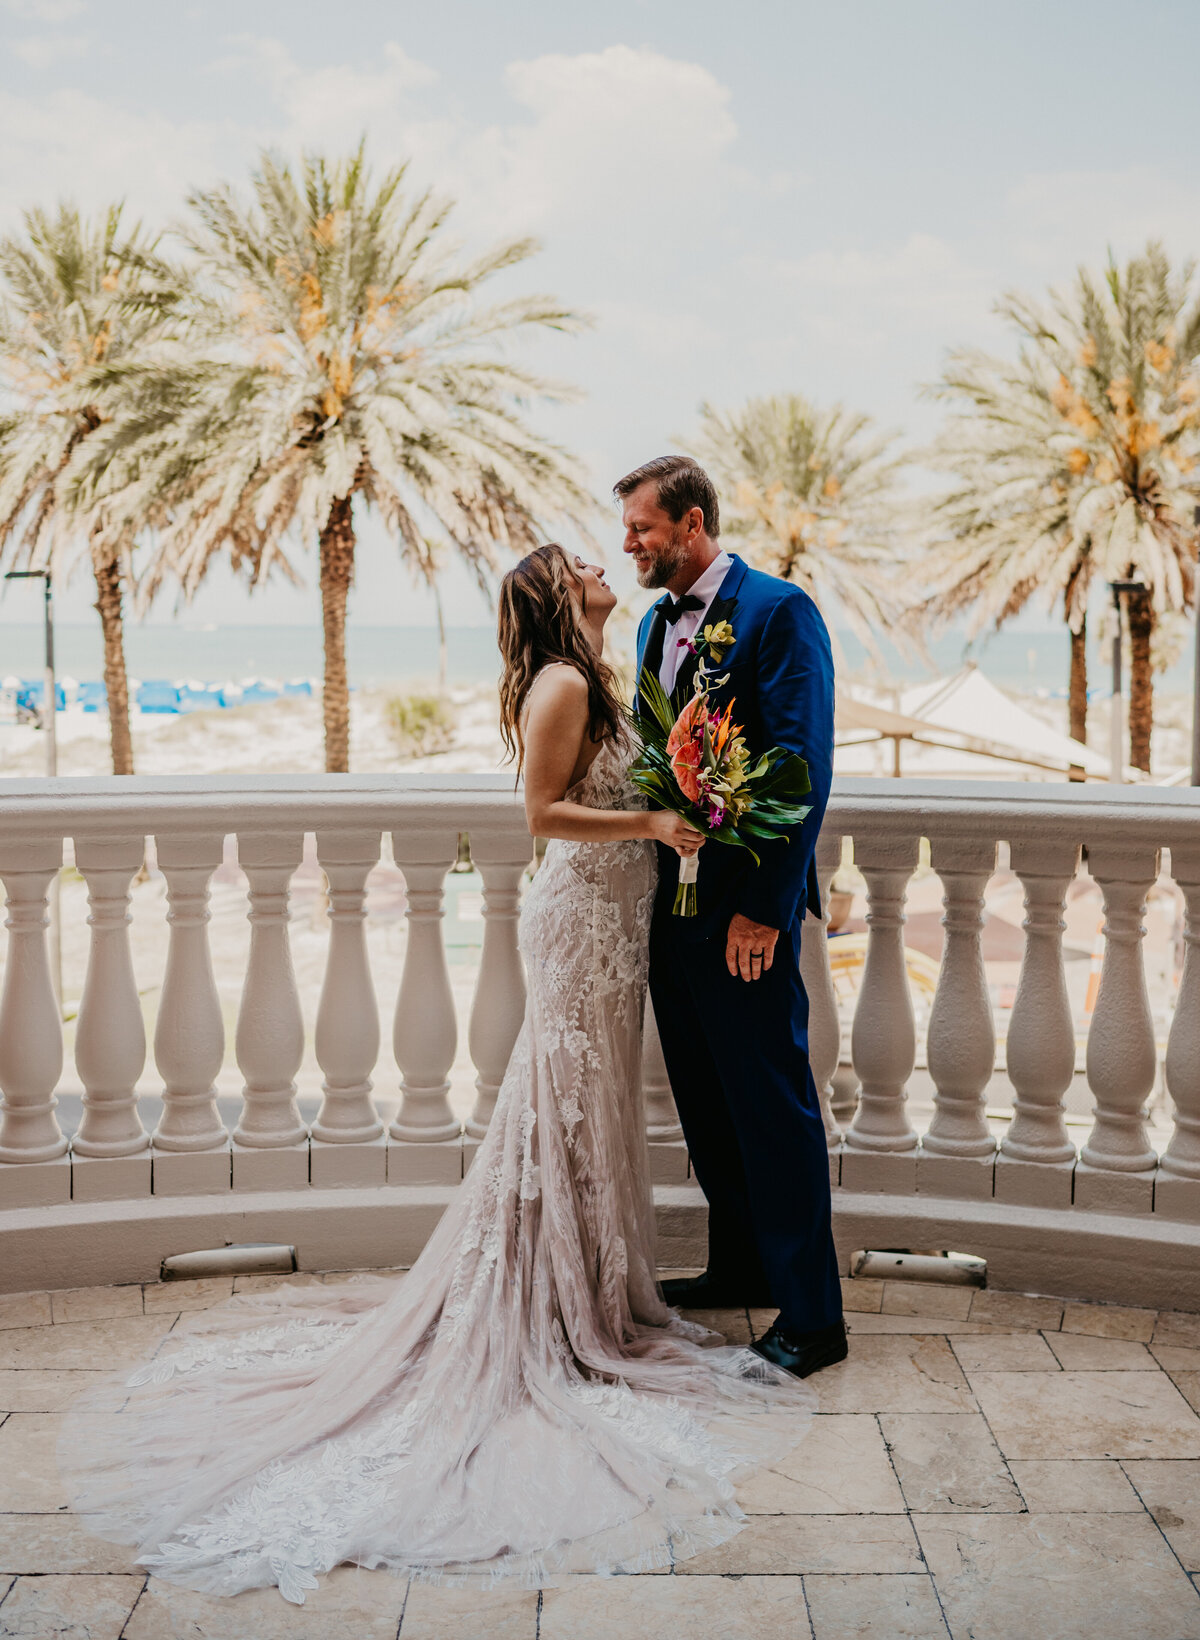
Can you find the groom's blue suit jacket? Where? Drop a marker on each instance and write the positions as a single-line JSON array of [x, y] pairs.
[[780, 671]]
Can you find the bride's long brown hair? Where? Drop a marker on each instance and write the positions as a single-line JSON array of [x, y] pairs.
[[537, 626]]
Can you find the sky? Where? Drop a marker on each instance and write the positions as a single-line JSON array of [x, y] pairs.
[[764, 198]]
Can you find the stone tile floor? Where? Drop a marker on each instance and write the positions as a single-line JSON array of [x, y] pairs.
[[985, 1466]]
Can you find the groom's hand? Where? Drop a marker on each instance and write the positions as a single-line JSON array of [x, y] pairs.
[[749, 947]]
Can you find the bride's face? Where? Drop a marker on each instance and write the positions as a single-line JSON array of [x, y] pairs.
[[592, 596]]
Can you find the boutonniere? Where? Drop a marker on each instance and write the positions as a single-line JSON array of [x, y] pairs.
[[712, 643]]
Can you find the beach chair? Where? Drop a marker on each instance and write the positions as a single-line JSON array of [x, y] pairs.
[[254, 694], [158, 696]]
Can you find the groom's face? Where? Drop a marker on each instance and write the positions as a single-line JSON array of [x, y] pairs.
[[656, 543]]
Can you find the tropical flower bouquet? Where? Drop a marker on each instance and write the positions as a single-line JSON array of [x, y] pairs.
[[696, 764]]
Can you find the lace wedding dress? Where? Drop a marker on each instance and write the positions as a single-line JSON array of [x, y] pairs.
[[521, 1404]]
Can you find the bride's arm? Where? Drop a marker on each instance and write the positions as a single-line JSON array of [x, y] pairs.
[[556, 727]]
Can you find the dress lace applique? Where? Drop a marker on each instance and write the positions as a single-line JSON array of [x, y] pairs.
[[520, 1405]]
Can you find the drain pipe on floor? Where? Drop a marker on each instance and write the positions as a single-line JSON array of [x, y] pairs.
[[257, 1258]]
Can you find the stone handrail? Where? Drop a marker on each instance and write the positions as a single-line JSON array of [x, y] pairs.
[[118, 1198]]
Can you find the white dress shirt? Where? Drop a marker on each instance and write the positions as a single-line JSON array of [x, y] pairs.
[[689, 623]]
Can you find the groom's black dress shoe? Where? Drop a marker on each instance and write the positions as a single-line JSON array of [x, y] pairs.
[[709, 1292], [804, 1353]]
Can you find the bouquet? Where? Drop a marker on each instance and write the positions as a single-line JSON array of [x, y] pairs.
[[697, 765]]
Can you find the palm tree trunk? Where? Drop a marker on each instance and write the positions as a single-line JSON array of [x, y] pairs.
[[107, 571], [441, 624], [1141, 679], [337, 574], [1078, 701]]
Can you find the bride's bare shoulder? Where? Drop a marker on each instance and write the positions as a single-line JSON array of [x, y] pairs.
[[557, 685]]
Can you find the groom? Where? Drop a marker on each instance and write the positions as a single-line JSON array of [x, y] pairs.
[[730, 1005]]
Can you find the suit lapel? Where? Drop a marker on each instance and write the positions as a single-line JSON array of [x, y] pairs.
[[650, 645], [720, 609]]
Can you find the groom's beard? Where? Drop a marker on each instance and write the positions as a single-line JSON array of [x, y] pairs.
[[665, 564]]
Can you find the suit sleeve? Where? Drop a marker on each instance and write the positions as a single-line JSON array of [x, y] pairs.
[[795, 682]]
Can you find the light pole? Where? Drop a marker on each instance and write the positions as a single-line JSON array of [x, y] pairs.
[[50, 687], [1116, 728], [49, 711], [1196, 661]]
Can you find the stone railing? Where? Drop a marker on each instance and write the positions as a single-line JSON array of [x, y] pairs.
[[1115, 1220]]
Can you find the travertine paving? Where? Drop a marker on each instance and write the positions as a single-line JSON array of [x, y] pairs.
[[985, 1466]]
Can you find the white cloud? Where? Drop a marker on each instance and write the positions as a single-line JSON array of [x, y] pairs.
[[621, 139], [1062, 218], [860, 297], [46, 11], [68, 144], [43, 50], [331, 106]]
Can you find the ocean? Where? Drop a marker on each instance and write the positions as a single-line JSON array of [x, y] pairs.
[[1026, 662]]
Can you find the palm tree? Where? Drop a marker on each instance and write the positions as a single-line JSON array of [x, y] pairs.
[[811, 494], [346, 366], [76, 300], [1003, 532], [1077, 464], [429, 568]]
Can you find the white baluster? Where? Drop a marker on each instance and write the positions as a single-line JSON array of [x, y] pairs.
[[1122, 1061], [1177, 1191], [347, 1040], [884, 1038], [1036, 1161], [111, 1148], [270, 1140], [191, 1141], [961, 1039], [425, 1033], [664, 1135], [499, 1004], [824, 1026], [662, 1118], [31, 1049]]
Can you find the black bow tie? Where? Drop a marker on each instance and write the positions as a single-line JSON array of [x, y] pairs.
[[673, 608]]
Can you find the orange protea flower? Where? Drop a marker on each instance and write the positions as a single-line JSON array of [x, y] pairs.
[[684, 747], [723, 728]]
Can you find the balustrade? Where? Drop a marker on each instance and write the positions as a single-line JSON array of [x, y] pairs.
[[824, 1027], [191, 1142], [1179, 1169], [1037, 1166], [425, 1031], [270, 1140], [110, 1037], [347, 1035], [31, 1046], [960, 1046], [1037, 1157], [499, 1004], [884, 1034], [1122, 1060]]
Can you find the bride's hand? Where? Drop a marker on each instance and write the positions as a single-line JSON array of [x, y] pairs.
[[675, 833]]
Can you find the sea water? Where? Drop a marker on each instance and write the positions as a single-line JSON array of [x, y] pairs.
[[378, 656]]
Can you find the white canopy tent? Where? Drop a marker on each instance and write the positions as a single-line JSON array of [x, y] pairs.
[[957, 722]]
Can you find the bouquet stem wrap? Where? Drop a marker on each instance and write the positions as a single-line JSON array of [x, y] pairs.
[[686, 900]]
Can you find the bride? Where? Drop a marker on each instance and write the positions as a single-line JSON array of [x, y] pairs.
[[521, 1404]]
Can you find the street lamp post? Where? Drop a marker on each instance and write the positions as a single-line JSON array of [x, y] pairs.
[[49, 712], [50, 687], [1116, 728]]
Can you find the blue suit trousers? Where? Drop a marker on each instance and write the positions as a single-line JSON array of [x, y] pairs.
[[737, 1057]]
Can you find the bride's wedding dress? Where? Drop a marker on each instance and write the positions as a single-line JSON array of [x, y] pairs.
[[521, 1403]]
